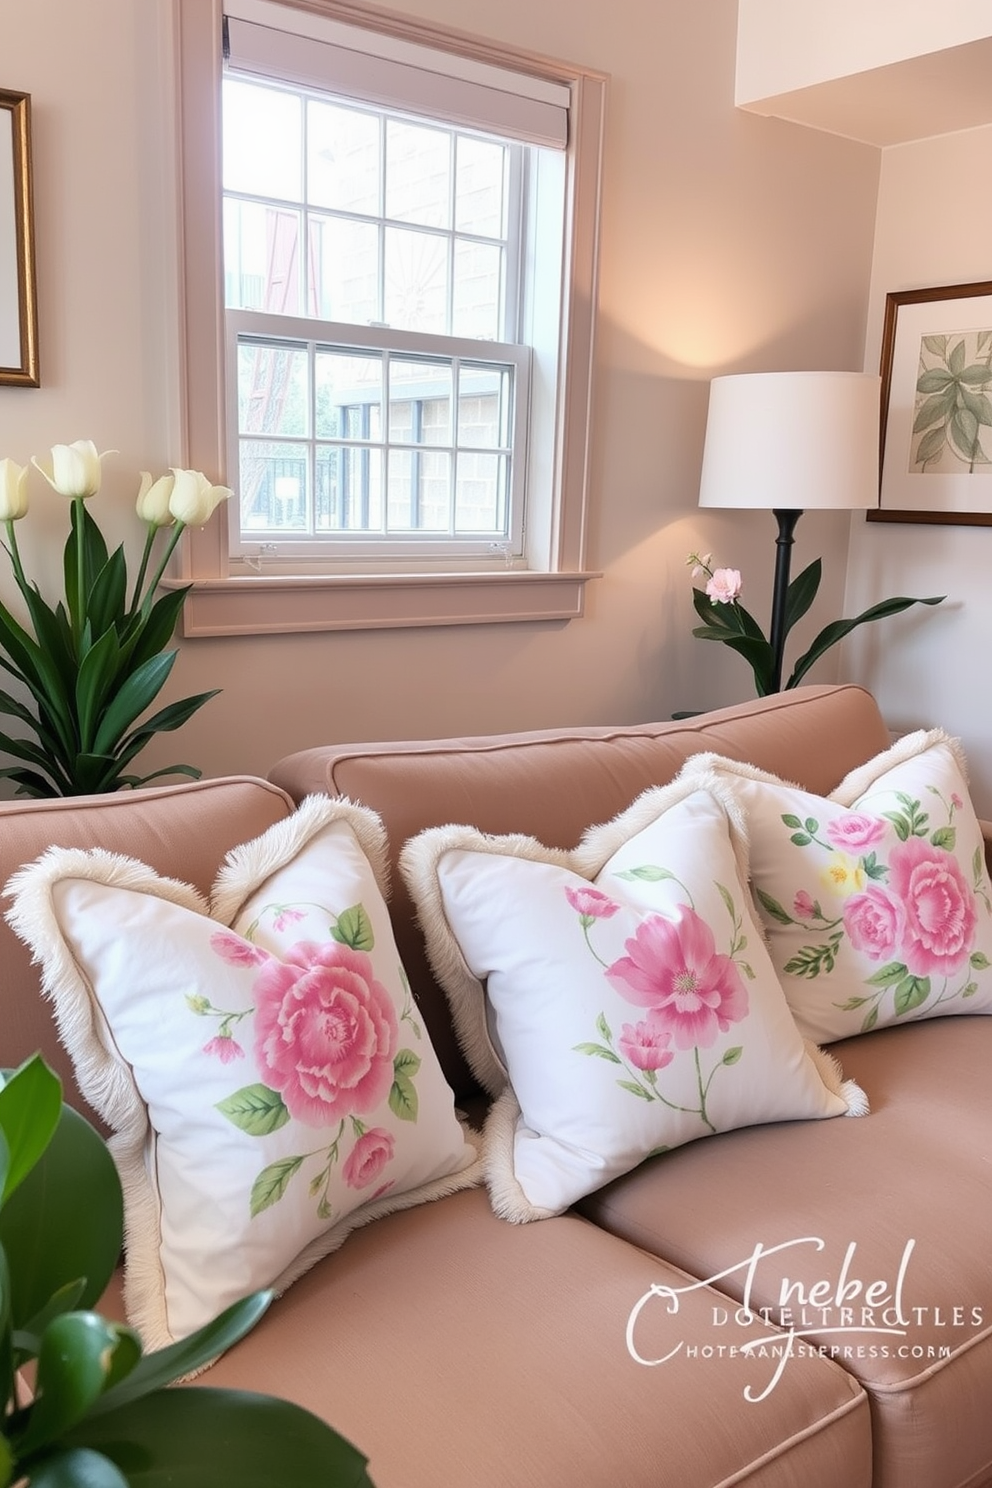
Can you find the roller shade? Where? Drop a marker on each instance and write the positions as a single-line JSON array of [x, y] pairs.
[[314, 52]]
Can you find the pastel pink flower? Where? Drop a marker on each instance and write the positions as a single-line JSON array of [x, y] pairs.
[[875, 922], [224, 1048], [939, 907], [645, 1045], [673, 968], [803, 906], [368, 1157], [325, 1031], [856, 831], [592, 904], [724, 586], [236, 950], [287, 917]]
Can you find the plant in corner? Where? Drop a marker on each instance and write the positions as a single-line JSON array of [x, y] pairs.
[[725, 619], [92, 663], [98, 1414]]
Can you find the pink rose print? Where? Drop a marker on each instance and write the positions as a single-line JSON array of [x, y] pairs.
[[325, 1031], [875, 922], [855, 832], [939, 907], [224, 1047], [591, 903], [675, 970], [368, 1157], [803, 906], [236, 950], [645, 1045]]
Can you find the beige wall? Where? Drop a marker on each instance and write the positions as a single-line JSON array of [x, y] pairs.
[[928, 668], [730, 242]]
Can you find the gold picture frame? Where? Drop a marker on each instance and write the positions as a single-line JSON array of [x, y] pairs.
[[18, 293]]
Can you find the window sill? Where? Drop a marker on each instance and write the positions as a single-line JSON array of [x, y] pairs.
[[277, 605]]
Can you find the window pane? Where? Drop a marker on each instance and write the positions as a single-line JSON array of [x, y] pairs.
[[419, 401], [419, 490], [273, 395], [481, 494], [418, 174], [479, 187], [416, 297], [349, 490], [343, 158], [273, 487], [344, 266], [477, 291], [483, 406], [348, 399], [262, 141], [262, 258]]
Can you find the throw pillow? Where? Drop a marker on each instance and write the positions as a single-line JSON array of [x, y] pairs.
[[260, 1061], [618, 999], [876, 900]]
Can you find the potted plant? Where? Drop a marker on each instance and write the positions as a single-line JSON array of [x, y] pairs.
[[97, 1413]]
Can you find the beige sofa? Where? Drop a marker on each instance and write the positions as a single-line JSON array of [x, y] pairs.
[[459, 1351]]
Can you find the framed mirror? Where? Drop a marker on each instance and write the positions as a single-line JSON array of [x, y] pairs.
[[18, 304]]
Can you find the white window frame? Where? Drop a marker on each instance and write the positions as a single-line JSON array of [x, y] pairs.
[[223, 601]]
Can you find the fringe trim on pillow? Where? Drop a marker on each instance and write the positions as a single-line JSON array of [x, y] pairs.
[[247, 866], [465, 992], [830, 1072], [864, 776], [507, 1198]]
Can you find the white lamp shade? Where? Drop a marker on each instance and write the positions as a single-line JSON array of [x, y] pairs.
[[792, 441]]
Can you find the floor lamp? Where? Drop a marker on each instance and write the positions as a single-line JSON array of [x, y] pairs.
[[791, 442]]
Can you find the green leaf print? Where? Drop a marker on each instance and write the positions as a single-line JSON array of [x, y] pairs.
[[255, 1109], [403, 1101], [911, 993], [599, 1050], [354, 928], [978, 960], [772, 907], [944, 837], [272, 1182], [733, 1055], [634, 1089], [648, 873], [887, 976]]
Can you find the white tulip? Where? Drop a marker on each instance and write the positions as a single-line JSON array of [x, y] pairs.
[[194, 499], [13, 491], [73, 469], [152, 504]]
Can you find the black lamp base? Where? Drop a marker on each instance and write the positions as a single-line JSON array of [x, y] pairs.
[[783, 559]]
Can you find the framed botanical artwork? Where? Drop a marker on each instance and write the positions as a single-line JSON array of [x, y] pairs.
[[936, 432], [18, 306]]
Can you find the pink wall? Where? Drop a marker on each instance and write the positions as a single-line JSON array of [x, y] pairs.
[[730, 242]]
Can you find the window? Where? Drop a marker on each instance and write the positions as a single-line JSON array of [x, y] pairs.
[[407, 315]]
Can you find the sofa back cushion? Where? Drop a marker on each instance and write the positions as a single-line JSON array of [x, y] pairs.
[[554, 784], [181, 831]]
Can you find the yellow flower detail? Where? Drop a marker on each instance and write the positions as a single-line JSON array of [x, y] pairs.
[[843, 876]]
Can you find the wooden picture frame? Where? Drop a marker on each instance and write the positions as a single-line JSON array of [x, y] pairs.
[[18, 296], [936, 411]]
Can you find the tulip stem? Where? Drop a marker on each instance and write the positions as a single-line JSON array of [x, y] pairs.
[[170, 547], [15, 556], [151, 532], [79, 510]]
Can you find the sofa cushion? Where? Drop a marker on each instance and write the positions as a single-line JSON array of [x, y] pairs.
[[619, 996], [260, 1061], [455, 1350], [900, 1202], [555, 783], [876, 899]]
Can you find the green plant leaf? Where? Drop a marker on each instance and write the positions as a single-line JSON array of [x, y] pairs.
[[147, 636], [836, 631], [64, 1221], [272, 1182], [801, 594], [131, 699], [212, 1438], [95, 682], [255, 1109], [27, 1339], [30, 1103], [74, 1366], [106, 600], [76, 1467], [354, 928], [6, 1349]]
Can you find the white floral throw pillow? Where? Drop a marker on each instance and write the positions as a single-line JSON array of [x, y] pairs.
[[260, 1061], [876, 900], [618, 1000]]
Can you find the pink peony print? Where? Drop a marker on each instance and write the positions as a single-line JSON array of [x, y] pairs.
[[591, 904], [875, 922], [855, 832], [225, 1048], [675, 970], [939, 908], [236, 950], [803, 906], [325, 1031], [645, 1045], [368, 1157]]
